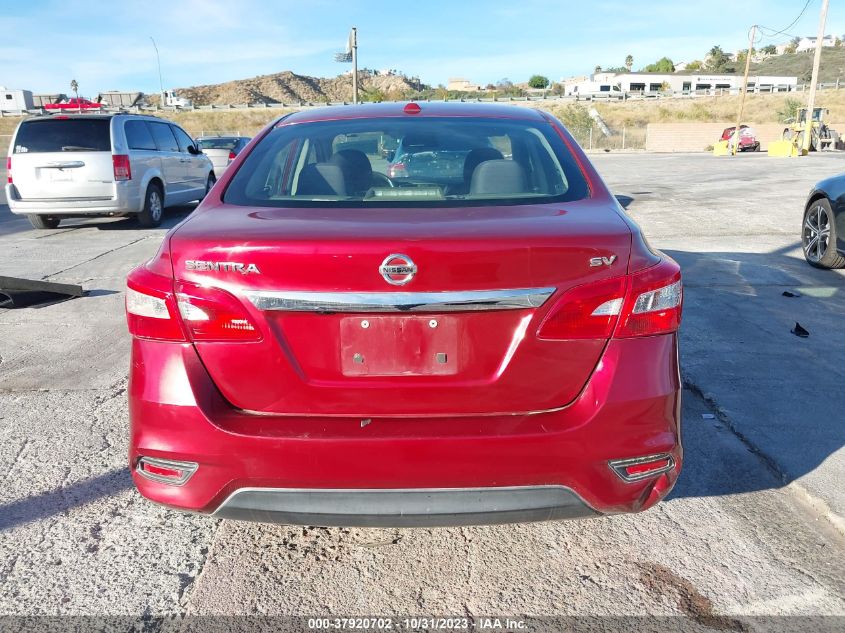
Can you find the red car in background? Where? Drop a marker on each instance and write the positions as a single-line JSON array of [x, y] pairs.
[[74, 104], [747, 138], [319, 343]]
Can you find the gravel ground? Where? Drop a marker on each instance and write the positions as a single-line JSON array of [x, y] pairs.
[[754, 527]]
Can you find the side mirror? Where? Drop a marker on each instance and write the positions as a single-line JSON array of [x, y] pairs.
[[390, 156], [193, 149]]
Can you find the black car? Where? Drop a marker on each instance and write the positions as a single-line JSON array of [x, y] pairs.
[[823, 231]]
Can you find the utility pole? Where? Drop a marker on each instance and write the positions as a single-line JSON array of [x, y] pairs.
[[354, 42], [811, 101], [160, 82], [744, 89]]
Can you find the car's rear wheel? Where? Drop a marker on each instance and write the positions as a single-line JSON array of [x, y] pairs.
[[153, 207], [818, 236], [43, 221]]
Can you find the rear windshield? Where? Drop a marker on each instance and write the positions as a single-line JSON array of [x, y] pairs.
[[444, 161], [218, 143], [63, 135]]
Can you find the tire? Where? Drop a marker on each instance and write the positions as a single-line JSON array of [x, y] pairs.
[[818, 236], [43, 221], [209, 183], [150, 217]]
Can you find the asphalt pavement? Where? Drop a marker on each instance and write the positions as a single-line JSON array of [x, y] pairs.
[[754, 527]]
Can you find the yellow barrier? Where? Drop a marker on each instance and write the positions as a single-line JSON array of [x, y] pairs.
[[783, 149], [721, 148]]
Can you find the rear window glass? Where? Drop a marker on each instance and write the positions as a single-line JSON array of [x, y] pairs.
[[218, 143], [138, 135], [422, 162], [164, 138], [63, 135]]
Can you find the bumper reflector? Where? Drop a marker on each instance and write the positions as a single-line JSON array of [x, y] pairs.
[[166, 471], [640, 468]]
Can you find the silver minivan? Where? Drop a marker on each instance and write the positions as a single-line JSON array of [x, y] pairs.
[[95, 164]]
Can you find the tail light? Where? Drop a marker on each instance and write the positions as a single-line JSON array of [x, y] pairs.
[[9, 169], [643, 304], [588, 311], [654, 302], [397, 170], [212, 314], [232, 156], [122, 168], [151, 308], [157, 311]]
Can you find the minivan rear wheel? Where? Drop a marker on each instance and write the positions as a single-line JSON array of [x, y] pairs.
[[153, 207], [43, 221]]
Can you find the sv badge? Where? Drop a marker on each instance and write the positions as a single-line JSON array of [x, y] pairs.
[[602, 261]]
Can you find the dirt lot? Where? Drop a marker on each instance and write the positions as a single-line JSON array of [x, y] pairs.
[[754, 528]]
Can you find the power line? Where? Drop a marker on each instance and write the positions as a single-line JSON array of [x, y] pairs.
[[791, 24]]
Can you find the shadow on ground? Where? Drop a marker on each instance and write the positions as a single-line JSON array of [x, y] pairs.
[[781, 394]]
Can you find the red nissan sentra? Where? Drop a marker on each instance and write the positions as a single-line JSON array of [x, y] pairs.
[[487, 339]]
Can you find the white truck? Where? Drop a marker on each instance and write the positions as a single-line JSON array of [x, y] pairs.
[[594, 90], [170, 98]]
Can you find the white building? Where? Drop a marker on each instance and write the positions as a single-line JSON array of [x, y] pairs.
[[15, 100], [460, 84], [692, 82], [809, 43]]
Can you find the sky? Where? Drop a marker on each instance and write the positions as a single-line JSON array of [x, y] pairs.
[[106, 45]]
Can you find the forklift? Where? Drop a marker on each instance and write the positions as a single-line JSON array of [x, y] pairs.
[[822, 136]]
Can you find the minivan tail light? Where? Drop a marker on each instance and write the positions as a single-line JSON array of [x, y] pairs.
[[232, 156], [122, 168], [212, 314], [9, 169]]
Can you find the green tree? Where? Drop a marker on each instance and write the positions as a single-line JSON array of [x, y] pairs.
[[629, 62], [538, 81], [789, 111], [662, 65], [695, 65], [770, 49], [717, 59]]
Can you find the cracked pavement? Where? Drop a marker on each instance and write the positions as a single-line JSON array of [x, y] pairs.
[[754, 526]]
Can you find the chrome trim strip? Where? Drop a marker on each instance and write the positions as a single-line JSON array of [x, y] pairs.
[[294, 301], [618, 466], [404, 507]]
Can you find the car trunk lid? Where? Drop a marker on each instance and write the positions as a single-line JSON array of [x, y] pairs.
[[459, 338]]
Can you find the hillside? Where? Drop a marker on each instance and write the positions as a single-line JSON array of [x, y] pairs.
[[288, 87], [801, 65]]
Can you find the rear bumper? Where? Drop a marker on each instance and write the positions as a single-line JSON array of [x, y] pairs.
[[409, 471], [126, 199], [404, 507]]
